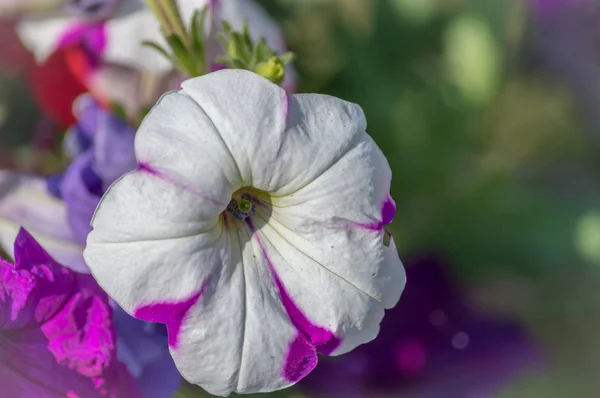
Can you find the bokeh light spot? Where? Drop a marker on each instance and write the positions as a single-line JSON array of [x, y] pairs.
[[437, 318], [417, 11], [473, 60], [460, 340], [587, 237], [410, 357]]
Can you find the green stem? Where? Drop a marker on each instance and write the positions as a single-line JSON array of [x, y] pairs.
[[174, 17], [160, 15]]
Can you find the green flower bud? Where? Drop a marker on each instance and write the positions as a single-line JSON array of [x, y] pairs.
[[273, 70]]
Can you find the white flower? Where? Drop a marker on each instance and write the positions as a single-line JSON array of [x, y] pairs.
[[26, 202], [251, 290]]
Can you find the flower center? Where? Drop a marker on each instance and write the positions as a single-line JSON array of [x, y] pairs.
[[241, 206], [91, 9]]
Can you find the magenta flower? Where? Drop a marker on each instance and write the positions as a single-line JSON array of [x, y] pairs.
[[56, 333]]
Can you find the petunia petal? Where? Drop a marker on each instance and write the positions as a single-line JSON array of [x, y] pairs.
[[326, 226], [113, 149], [134, 90], [82, 338], [81, 189], [134, 23], [338, 220], [29, 369], [33, 371], [168, 143], [271, 135], [42, 36], [179, 245], [331, 289], [25, 201], [62, 343], [239, 323], [34, 289]]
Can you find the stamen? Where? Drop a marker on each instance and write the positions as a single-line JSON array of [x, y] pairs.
[[242, 209]]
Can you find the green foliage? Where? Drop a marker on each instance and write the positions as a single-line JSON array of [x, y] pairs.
[[187, 46], [17, 126]]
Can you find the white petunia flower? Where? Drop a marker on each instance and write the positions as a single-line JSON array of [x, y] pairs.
[[253, 229], [25, 202]]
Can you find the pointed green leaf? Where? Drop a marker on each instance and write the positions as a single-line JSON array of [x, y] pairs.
[[222, 60], [237, 64], [227, 27], [287, 58], [158, 48], [181, 55], [197, 34], [246, 34]]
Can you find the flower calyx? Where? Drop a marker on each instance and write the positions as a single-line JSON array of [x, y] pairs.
[[243, 53]]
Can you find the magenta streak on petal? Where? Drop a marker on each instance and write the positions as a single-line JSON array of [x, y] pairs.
[[145, 167], [301, 358], [388, 211], [171, 314], [92, 36]]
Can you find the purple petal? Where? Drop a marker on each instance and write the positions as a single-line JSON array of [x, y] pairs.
[[56, 333], [113, 149], [87, 111], [90, 36], [109, 155], [53, 184], [82, 338], [34, 289], [28, 369], [81, 201]]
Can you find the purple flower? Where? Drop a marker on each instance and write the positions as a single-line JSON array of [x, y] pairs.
[[57, 338], [102, 146], [430, 345]]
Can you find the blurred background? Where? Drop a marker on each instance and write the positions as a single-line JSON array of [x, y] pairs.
[[489, 114]]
